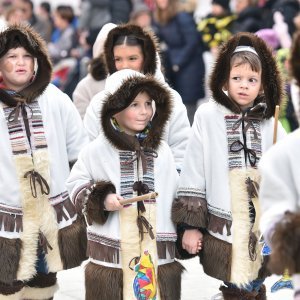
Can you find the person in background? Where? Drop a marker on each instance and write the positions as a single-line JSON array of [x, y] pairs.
[[229, 136], [14, 15], [182, 52], [134, 243], [39, 24], [141, 15], [216, 27], [41, 134], [63, 17], [44, 12], [248, 16], [94, 81]]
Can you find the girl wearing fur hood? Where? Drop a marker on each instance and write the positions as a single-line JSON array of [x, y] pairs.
[[217, 205], [130, 159], [41, 133], [119, 43]]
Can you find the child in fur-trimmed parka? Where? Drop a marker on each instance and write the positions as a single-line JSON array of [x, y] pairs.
[[129, 46], [280, 204], [217, 208], [129, 158], [41, 133]]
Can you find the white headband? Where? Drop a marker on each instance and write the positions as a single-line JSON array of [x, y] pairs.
[[244, 48]]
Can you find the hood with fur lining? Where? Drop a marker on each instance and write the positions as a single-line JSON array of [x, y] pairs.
[[150, 45], [271, 80], [122, 87], [24, 35]]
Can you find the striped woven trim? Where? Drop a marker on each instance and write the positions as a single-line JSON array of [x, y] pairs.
[[236, 159], [219, 212], [128, 174], [101, 239], [166, 236], [191, 192], [17, 132]]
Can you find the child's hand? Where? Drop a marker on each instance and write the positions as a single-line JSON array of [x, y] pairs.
[[112, 203], [192, 241]]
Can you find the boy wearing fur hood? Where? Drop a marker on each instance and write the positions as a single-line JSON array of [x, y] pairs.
[[129, 158], [41, 133], [280, 198], [217, 208], [132, 36]]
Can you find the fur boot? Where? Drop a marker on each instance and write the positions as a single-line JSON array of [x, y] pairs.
[[262, 294], [237, 294]]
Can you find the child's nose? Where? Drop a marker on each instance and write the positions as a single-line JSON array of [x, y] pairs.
[[20, 60], [244, 83], [125, 65]]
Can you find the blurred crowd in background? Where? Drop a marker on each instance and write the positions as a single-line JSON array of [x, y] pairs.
[[188, 46]]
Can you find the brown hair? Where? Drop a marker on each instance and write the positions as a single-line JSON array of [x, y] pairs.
[[246, 57], [163, 16]]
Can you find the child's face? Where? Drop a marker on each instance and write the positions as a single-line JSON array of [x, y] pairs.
[[244, 85], [128, 57], [16, 68], [137, 115]]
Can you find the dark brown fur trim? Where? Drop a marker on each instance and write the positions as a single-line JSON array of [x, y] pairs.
[[264, 272], [123, 97], [68, 206], [237, 294], [103, 252], [11, 288], [10, 251], [285, 245], [215, 257], [271, 79], [262, 293], [216, 224], [72, 242], [95, 205], [41, 280], [164, 247], [150, 48], [98, 68], [169, 280], [103, 283], [11, 222], [191, 211], [35, 45]]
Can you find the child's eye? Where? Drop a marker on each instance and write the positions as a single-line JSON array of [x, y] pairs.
[[133, 58], [149, 103], [117, 59], [253, 80], [134, 104], [236, 78]]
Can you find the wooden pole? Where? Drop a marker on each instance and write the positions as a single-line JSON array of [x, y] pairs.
[[275, 124], [139, 198]]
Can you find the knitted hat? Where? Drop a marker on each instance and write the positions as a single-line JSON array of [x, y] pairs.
[[223, 3]]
